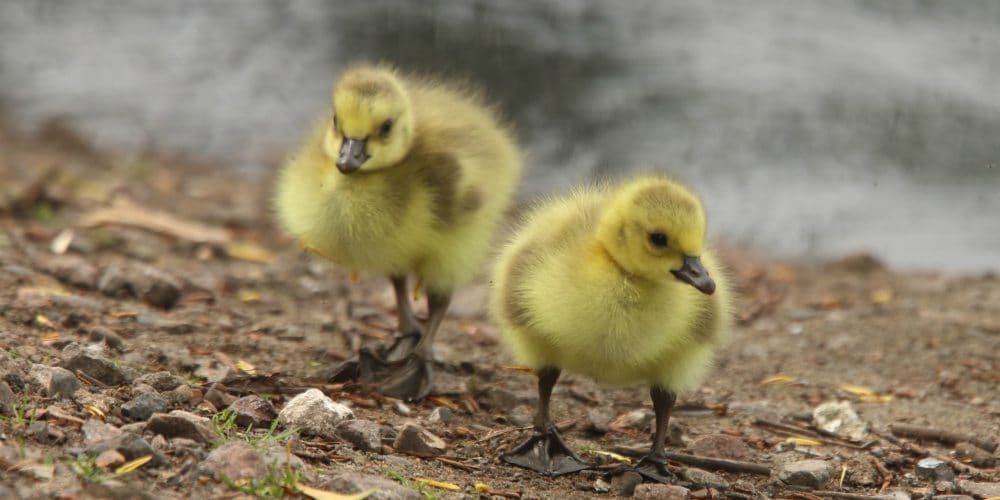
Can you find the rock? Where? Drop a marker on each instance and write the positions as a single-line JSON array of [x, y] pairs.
[[45, 433], [161, 381], [95, 431], [112, 339], [656, 491], [109, 458], [179, 423], [356, 482], [235, 460], [312, 412], [70, 269], [114, 282], [601, 486], [401, 408], [840, 418], [417, 441], [144, 406], [720, 446], [95, 366], [862, 472], [55, 381], [217, 395], [971, 454], [599, 419], [362, 434], [181, 395], [253, 411], [496, 398], [640, 419], [157, 288], [8, 400], [158, 322], [443, 415], [809, 473], [704, 478], [130, 445], [895, 494], [624, 484], [932, 469], [979, 490]]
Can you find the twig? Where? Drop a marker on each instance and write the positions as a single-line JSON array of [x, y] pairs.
[[496, 434], [796, 431], [841, 494], [704, 462], [805, 495], [941, 436], [87, 379], [886, 475], [125, 212], [458, 465]]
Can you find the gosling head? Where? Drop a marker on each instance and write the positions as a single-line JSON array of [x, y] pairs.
[[656, 229], [372, 121]]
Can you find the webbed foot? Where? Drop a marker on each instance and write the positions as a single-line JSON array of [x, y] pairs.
[[655, 469], [545, 452], [409, 379]]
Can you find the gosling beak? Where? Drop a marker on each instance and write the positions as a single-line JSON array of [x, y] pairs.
[[694, 274], [352, 155]]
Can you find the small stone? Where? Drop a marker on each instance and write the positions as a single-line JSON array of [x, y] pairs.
[[401, 408], [656, 491], [236, 460], [93, 365], [363, 434], [932, 469], [840, 418], [704, 478], [71, 269], [161, 381], [862, 472], [809, 473], [895, 494], [217, 395], [95, 431], [720, 446], [156, 287], [114, 282], [109, 458], [130, 445], [312, 412], [624, 484], [353, 482], [179, 423], [173, 326], [599, 419], [602, 486], [496, 398], [944, 487], [102, 334], [979, 490], [180, 395], [55, 381], [952, 497], [8, 400], [144, 406], [971, 454], [640, 419], [396, 461], [417, 441], [443, 415], [253, 411]]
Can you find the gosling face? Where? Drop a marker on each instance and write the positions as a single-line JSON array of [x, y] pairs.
[[661, 234], [372, 121]]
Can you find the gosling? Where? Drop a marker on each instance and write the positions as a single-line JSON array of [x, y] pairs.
[[614, 283], [406, 176]]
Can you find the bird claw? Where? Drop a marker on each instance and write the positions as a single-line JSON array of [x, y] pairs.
[[655, 469], [409, 379], [546, 452]]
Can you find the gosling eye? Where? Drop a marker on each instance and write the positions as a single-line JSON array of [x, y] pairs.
[[658, 239], [386, 127]]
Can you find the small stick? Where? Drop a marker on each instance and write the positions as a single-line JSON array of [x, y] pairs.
[[886, 475], [805, 495], [941, 436], [841, 494], [561, 426], [796, 431], [706, 462], [458, 465]]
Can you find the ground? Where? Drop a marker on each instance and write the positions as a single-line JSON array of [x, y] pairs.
[[160, 263]]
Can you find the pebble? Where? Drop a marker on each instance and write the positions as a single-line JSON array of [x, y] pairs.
[[656, 491], [496, 398], [362, 434], [109, 458], [599, 419], [952, 497], [973, 455], [113, 282], [417, 441], [601, 486], [95, 366], [55, 381], [179, 423], [181, 395], [236, 460], [95, 431], [156, 287], [443, 415], [385, 488], [720, 446], [144, 406], [979, 490], [131, 446], [70, 269], [641, 419], [932, 469], [253, 411], [172, 326], [312, 412], [839, 417], [102, 334], [809, 473], [862, 472], [624, 484], [161, 381], [704, 478], [8, 400], [217, 395]]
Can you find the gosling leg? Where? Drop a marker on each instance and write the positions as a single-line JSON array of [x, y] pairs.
[[412, 377], [410, 331], [654, 465], [545, 450]]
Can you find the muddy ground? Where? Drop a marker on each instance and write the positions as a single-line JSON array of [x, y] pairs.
[[153, 264]]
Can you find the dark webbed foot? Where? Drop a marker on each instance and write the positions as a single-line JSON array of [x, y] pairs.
[[655, 469], [546, 452], [410, 378]]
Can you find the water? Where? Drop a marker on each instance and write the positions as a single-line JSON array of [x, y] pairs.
[[810, 128]]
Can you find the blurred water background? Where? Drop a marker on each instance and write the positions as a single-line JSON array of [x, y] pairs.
[[811, 128]]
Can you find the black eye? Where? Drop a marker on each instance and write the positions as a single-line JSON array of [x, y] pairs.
[[658, 239], [385, 128]]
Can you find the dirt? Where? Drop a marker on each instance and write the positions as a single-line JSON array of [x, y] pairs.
[[215, 292]]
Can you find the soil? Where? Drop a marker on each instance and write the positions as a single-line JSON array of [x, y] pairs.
[[256, 313]]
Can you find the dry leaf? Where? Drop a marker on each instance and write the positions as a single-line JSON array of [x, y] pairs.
[[778, 379], [50, 337], [246, 367], [133, 465], [612, 455], [444, 402], [125, 212], [319, 494], [249, 252], [95, 411], [42, 320], [801, 441], [437, 484], [482, 488], [881, 296], [249, 296], [865, 394], [524, 369]]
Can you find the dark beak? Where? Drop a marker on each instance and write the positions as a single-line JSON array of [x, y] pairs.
[[694, 274], [352, 155]]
